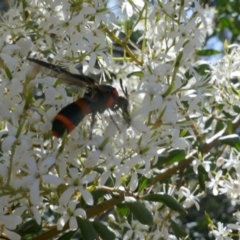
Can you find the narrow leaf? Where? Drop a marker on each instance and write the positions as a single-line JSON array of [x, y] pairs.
[[67, 236], [208, 122], [29, 227], [143, 183], [208, 52], [202, 174], [103, 231], [171, 156], [178, 230], [236, 109], [87, 229], [122, 209], [137, 74], [140, 212], [167, 200], [232, 140]]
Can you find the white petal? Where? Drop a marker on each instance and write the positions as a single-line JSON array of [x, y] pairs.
[[62, 221], [35, 192], [139, 234], [128, 235], [27, 181], [36, 214], [19, 211], [52, 179], [89, 178], [73, 223], [12, 235], [118, 179], [92, 159], [88, 10], [43, 127], [10, 221], [32, 166], [3, 170], [7, 143], [140, 126], [25, 145], [25, 45], [66, 195], [73, 172], [50, 93], [134, 182], [4, 111], [104, 177], [80, 212], [92, 61], [72, 205], [11, 47], [87, 196], [60, 209], [127, 7], [47, 163], [133, 161]]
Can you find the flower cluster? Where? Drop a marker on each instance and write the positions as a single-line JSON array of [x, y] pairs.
[[81, 178]]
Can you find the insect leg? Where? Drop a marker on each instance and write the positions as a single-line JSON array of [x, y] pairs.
[[114, 121], [92, 124]]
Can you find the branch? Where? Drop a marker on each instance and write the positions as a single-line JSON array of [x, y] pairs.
[[210, 143]]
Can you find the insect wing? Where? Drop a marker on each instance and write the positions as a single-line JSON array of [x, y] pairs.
[[65, 76]]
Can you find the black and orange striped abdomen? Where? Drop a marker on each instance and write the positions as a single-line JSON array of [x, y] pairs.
[[69, 117]]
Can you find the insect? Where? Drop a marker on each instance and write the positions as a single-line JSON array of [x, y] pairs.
[[97, 99]]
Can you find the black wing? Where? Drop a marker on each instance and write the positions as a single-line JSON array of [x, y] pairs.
[[65, 76]]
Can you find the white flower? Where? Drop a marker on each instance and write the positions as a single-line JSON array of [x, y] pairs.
[[69, 213], [135, 229], [190, 198], [221, 233], [25, 45], [76, 183], [197, 162], [127, 7], [36, 175], [215, 182], [235, 226], [8, 222]]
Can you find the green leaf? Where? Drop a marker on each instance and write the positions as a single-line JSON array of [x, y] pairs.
[[202, 69], [178, 230], [209, 220], [87, 229], [229, 126], [236, 108], [140, 212], [232, 140], [168, 91], [219, 126], [143, 183], [122, 209], [103, 231], [67, 236], [179, 57], [29, 227], [98, 194], [208, 122], [167, 200], [8, 72], [208, 52], [202, 174], [137, 74], [172, 156]]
